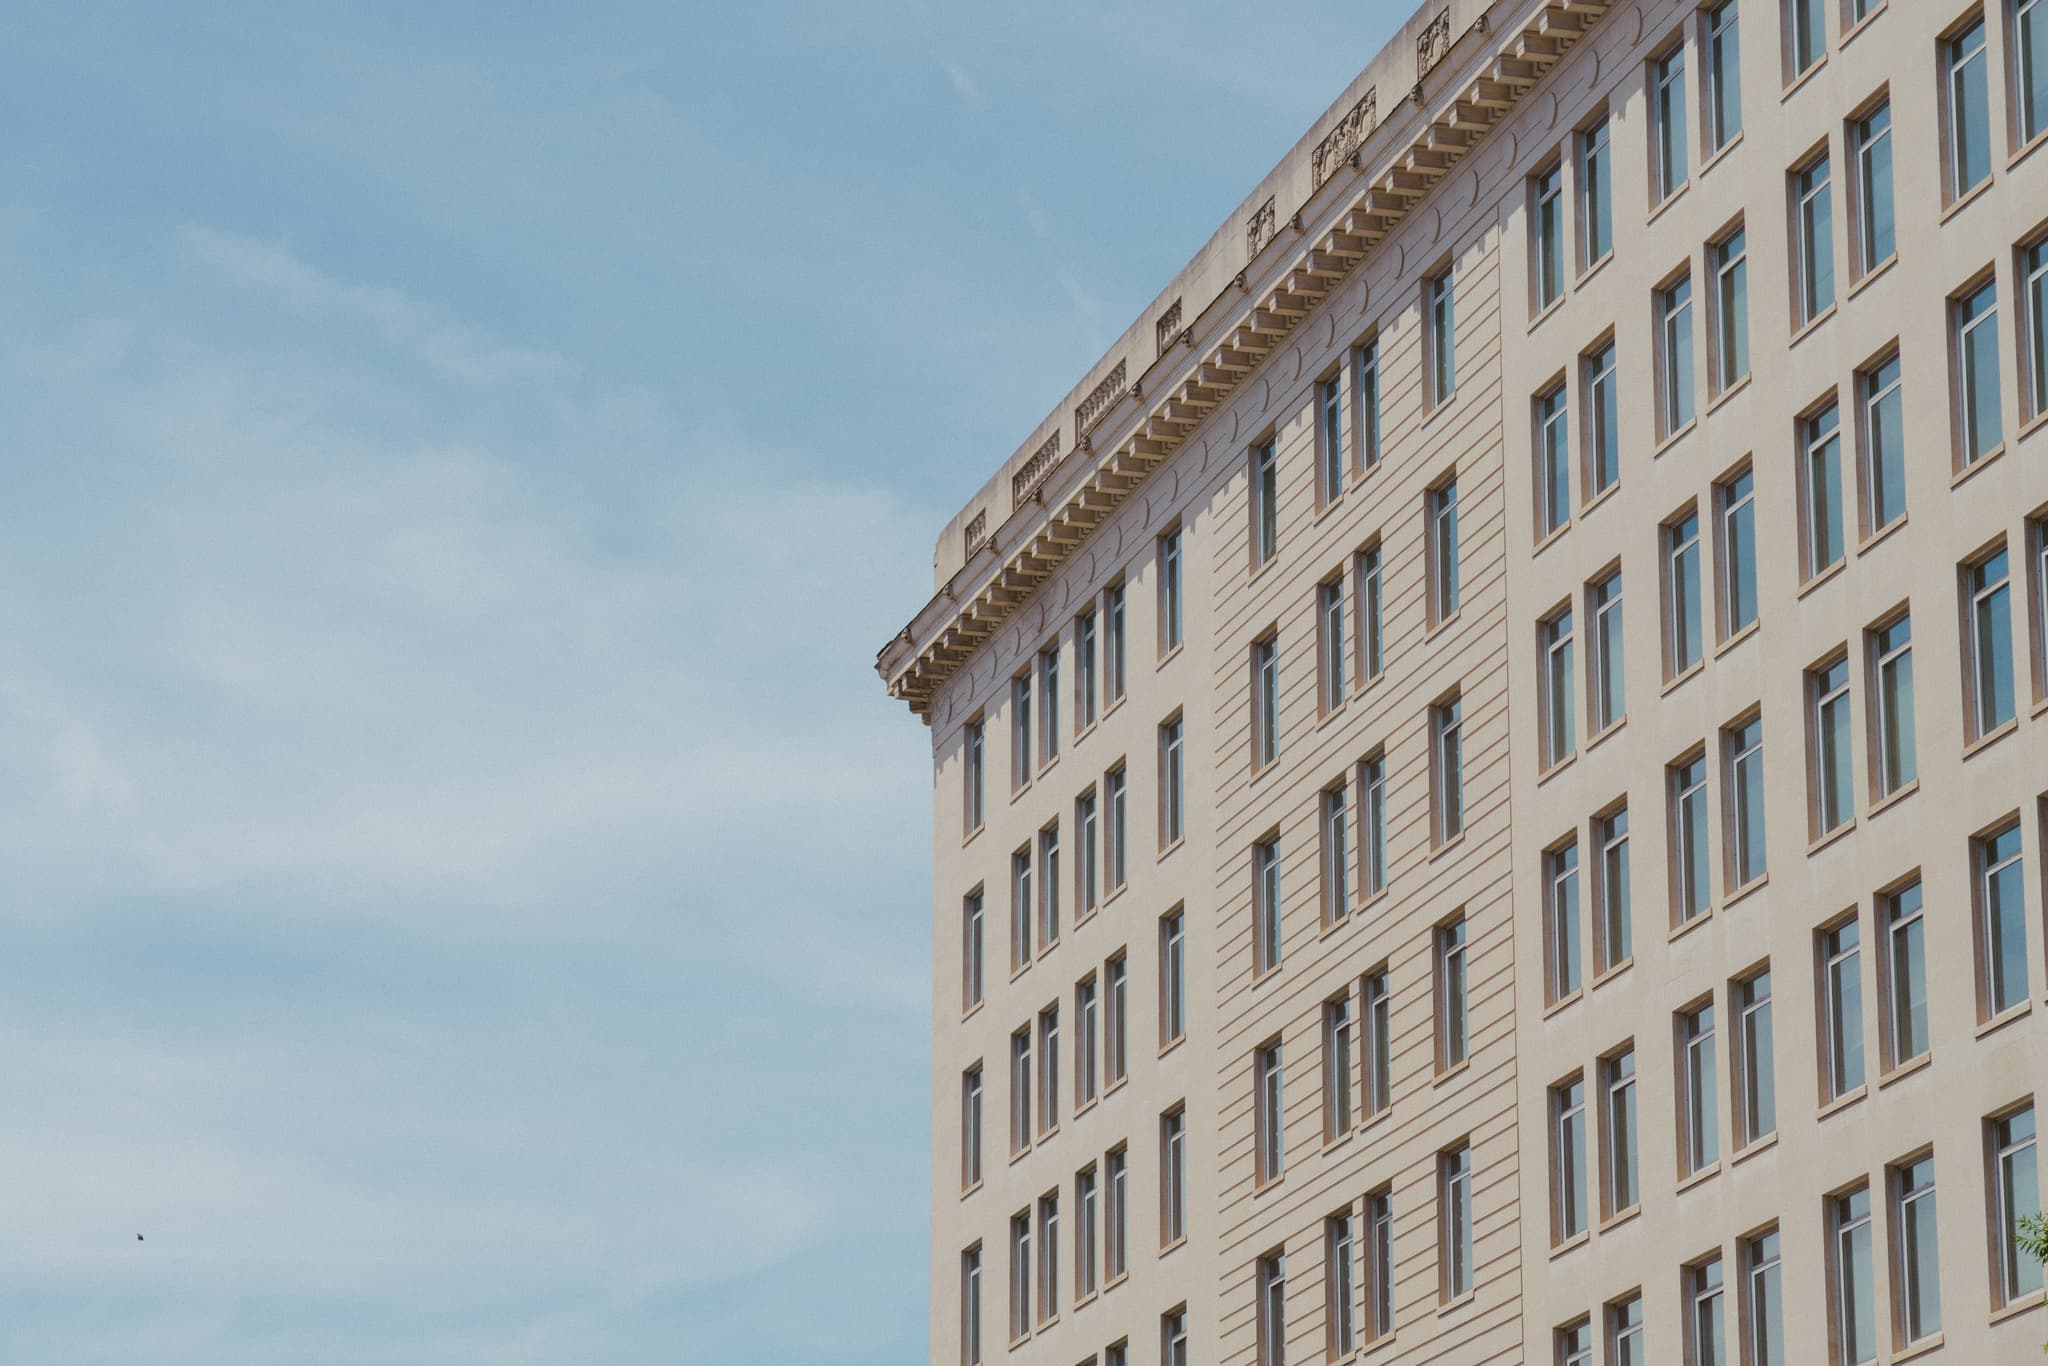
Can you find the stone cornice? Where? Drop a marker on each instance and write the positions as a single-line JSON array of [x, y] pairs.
[[1063, 500]]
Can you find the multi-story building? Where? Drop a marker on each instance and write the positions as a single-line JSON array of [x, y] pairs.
[[1491, 759]]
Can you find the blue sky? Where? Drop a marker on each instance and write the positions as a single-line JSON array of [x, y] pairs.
[[463, 891]]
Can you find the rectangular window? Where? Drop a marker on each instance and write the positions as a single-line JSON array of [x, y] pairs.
[[1116, 1213], [1625, 1333], [1596, 193], [1766, 1308], [1454, 1201], [1443, 551], [970, 1307], [1979, 414], [1372, 825], [1087, 1037], [1271, 1117], [1020, 1090], [1020, 730], [1330, 644], [1724, 76], [1336, 851], [1048, 1069], [1172, 774], [1365, 398], [1808, 32], [2015, 1196], [1884, 445], [1337, 1112], [1086, 680], [1603, 422], [1553, 463], [1113, 655], [1173, 1338], [1667, 86], [1116, 1019], [1731, 310], [1451, 1002], [2001, 921], [1087, 857], [1876, 234], [1447, 768], [1049, 695], [1833, 770], [1379, 1263], [2040, 532], [1379, 1043], [2030, 26], [971, 951], [1169, 592], [1743, 743], [1841, 982], [1266, 905], [1916, 1253], [975, 774], [1736, 501], [1706, 1337], [1814, 219], [1022, 908], [2034, 297], [1265, 501], [1683, 646], [1692, 892], [1330, 439], [970, 1127], [1113, 789], [1698, 1102], [1048, 1256], [1855, 1280], [1624, 1188], [1561, 921], [1906, 974], [1372, 658], [1988, 631], [1821, 485], [1049, 886], [1272, 1316], [1674, 336], [1606, 658], [1969, 110], [1560, 688], [1575, 1344], [1546, 228], [1265, 701], [1757, 1087], [1443, 337], [1173, 1171], [1020, 1274], [1340, 1285], [1568, 1160], [1084, 1233], [1173, 977], [1615, 948]]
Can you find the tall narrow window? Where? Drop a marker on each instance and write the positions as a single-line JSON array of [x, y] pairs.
[[1699, 1102], [1048, 1069], [1022, 908], [2015, 1196], [1763, 1281], [1625, 1333], [1969, 111], [971, 953], [1443, 337], [1020, 730], [1049, 886], [1365, 398], [2001, 921], [1116, 1019], [1603, 422], [1087, 1037], [1379, 1263], [1834, 779], [1562, 894], [2034, 295], [1821, 482], [1706, 1334], [1169, 592], [1270, 1115], [1266, 904], [1744, 743], [1115, 828], [1049, 699], [1265, 701], [1265, 501], [1116, 1214], [1173, 1169], [1607, 659], [1372, 825], [1568, 1159], [1876, 233], [1451, 1001], [1173, 1338], [1048, 1256], [1272, 1324], [1173, 978], [1020, 1091], [1377, 1008], [1919, 1256], [1989, 632], [1980, 415], [1113, 655], [1724, 75], [1371, 635], [1615, 938], [1815, 220], [1553, 463], [1086, 678], [1443, 551], [1737, 502], [1905, 929], [975, 773], [1596, 193], [1546, 194], [1884, 445], [1340, 1287], [1560, 689], [970, 1127], [1447, 769], [1172, 775], [1331, 643], [1691, 860], [1336, 854], [1809, 34], [1674, 313], [1731, 309], [1084, 1233], [1855, 1280], [1841, 958], [1757, 1058], [1454, 1200], [1330, 438], [1682, 594], [1087, 857], [970, 1307], [2030, 27], [1624, 1189], [1337, 1112], [1668, 92]]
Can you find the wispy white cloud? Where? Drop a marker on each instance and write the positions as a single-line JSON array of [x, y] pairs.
[[962, 80]]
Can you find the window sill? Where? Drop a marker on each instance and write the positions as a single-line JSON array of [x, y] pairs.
[[1802, 79], [1699, 1178], [1171, 849], [1449, 846], [1882, 534], [1172, 1046], [1331, 1145], [1914, 1350], [2016, 1309], [1892, 799], [1114, 893], [1593, 268], [1616, 1220], [1333, 926], [1967, 198], [1571, 1244], [1600, 737], [1116, 1086], [1019, 791], [1820, 842], [1330, 714], [2000, 1021], [1906, 1069], [1019, 1155], [1019, 970], [1719, 154], [1453, 1306], [1606, 975], [1761, 1145], [969, 837], [1673, 439], [1686, 927], [1745, 891], [1849, 34], [969, 1190], [1663, 206], [1547, 312], [2037, 423], [1984, 742], [972, 1011], [1114, 704], [1551, 537], [1261, 1189], [1969, 471], [2026, 149], [1046, 766], [1560, 766], [1737, 639], [1085, 1106], [1455, 1070], [1563, 1003], [1439, 626], [1843, 1102], [1017, 1342], [1825, 576], [1692, 670], [1812, 325], [1597, 499], [1327, 507], [1872, 276], [1168, 1249], [1714, 403]]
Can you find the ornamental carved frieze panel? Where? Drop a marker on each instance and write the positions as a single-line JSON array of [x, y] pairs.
[[1168, 326], [1091, 408], [1434, 44], [977, 531], [1260, 227], [1347, 137], [1032, 473]]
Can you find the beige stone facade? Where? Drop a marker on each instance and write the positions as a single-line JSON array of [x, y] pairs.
[[1532, 589]]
